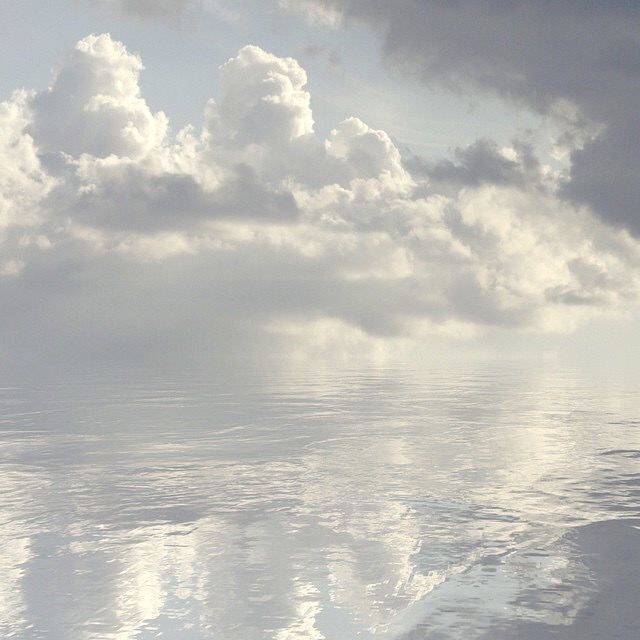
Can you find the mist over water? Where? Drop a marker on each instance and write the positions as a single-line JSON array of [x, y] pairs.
[[495, 501]]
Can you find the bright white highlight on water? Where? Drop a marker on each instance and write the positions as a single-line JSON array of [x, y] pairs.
[[488, 502]]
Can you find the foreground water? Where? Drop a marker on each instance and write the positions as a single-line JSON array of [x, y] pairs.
[[473, 502]]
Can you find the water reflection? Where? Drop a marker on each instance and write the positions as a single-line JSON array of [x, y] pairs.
[[364, 504]]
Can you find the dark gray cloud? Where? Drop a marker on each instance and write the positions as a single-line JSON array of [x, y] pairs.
[[132, 199], [605, 174], [482, 162], [537, 53]]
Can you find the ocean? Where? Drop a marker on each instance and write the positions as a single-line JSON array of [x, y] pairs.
[[479, 501]]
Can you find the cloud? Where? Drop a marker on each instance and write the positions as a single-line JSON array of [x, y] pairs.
[[122, 241], [541, 54], [94, 104], [313, 12], [482, 162], [264, 99], [23, 181]]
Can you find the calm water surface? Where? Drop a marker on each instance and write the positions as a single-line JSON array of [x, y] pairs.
[[482, 502]]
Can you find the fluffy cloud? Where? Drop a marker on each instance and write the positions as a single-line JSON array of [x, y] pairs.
[[23, 181], [264, 99], [543, 54], [94, 105], [121, 237]]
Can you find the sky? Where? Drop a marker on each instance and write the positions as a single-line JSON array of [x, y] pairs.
[[192, 181]]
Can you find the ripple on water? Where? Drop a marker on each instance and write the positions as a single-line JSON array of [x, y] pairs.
[[488, 503]]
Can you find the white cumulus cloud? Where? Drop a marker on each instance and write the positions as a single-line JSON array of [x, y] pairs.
[[94, 105]]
